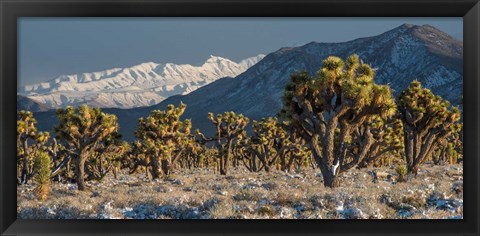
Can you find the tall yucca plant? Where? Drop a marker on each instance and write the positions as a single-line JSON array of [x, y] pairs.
[[342, 96], [43, 170]]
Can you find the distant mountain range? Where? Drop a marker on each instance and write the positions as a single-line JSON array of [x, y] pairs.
[[141, 85], [24, 103], [400, 55]]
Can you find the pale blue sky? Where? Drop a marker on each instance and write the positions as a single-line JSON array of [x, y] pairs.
[[49, 47]]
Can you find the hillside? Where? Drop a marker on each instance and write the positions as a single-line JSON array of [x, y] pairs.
[[400, 55], [145, 84]]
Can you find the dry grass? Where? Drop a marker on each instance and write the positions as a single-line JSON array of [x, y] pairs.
[[436, 193]]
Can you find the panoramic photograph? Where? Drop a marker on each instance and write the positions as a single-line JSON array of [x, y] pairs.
[[240, 118]]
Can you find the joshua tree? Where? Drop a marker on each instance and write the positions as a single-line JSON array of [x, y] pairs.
[[61, 160], [342, 96], [138, 157], [297, 154], [388, 139], [230, 128], [450, 149], [427, 120], [83, 130], [163, 136], [272, 144], [245, 153], [193, 155], [26, 131], [267, 141], [105, 157], [43, 169]]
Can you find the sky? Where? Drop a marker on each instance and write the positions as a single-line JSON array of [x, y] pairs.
[[50, 47]]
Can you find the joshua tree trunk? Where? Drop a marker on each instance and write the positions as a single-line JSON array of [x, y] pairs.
[[329, 177], [223, 171], [322, 157], [80, 171], [412, 169], [330, 180], [224, 163], [418, 148], [224, 159], [166, 167], [155, 170], [283, 163], [441, 158], [26, 157]]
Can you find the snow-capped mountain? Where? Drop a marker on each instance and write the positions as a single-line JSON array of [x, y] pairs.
[[141, 85], [400, 55], [249, 62]]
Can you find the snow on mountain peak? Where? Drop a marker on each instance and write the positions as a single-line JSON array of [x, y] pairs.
[[249, 62], [144, 84], [217, 60]]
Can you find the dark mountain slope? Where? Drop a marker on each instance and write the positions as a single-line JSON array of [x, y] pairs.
[[400, 55], [24, 103]]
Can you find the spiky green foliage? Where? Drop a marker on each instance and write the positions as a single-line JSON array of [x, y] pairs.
[[402, 172], [26, 131], [197, 155], [105, 157], [387, 141], [43, 170], [267, 141], [271, 144], [342, 96], [428, 120], [229, 128], [450, 149], [82, 130], [163, 136], [62, 161], [138, 158]]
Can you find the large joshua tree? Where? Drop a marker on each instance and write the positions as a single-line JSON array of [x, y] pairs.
[[163, 136], [82, 130], [427, 120], [325, 109]]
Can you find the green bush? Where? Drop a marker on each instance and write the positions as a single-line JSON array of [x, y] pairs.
[[43, 170]]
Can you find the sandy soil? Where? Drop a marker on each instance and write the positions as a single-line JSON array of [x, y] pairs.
[[436, 193]]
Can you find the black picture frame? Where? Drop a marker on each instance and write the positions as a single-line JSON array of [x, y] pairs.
[[10, 10]]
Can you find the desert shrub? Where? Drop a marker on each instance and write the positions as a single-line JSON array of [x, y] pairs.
[[43, 170], [402, 172]]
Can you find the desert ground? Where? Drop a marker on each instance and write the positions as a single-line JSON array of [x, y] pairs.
[[435, 193]]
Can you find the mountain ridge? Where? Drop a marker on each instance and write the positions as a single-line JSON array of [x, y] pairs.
[[257, 92], [139, 85], [400, 55]]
